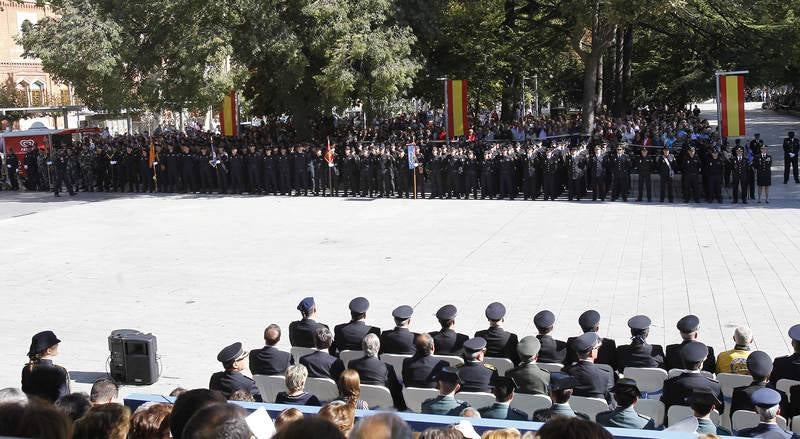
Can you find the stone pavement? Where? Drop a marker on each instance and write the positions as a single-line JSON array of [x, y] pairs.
[[202, 272]]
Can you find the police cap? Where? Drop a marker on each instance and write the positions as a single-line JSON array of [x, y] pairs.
[[703, 397], [231, 352], [306, 304], [759, 364], [448, 375], [585, 342], [359, 305], [544, 319], [504, 382], [529, 347], [495, 311], [694, 352], [765, 398], [475, 344], [688, 324], [447, 312], [41, 341], [626, 385], [561, 381], [589, 319], [794, 332], [403, 312], [639, 322]]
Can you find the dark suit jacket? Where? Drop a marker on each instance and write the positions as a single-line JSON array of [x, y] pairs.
[[500, 343], [639, 355], [592, 382], [785, 367], [375, 372], [322, 365], [46, 380], [421, 371], [448, 342], [348, 336], [679, 388], [607, 354], [269, 361], [552, 350], [741, 399], [476, 376], [673, 358], [398, 341], [229, 382], [301, 333]]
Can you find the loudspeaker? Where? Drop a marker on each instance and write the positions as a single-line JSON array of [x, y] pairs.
[[133, 357]]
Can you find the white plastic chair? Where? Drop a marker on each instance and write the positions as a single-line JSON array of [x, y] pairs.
[[298, 352], [588, 406], [377, 397], [551, 367], [649, 380], [415, 396], [728, 382], [785, 385], [675, 372], [453, 361], [530, 403], [270, 385], [476, 399], [501, 364], [396, 360], [652, 408], [346, 356], [746, 419], [796, 424], [680, 412], [323, 388]]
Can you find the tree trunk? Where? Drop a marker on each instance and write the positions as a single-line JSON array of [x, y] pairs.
[[598, 104], [589, 90], [627, 53], [619, 87], [510, 103]]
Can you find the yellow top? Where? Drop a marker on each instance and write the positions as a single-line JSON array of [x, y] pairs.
[[733, 361]]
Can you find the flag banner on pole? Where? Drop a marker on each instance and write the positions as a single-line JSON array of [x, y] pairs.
[[731, 103], [329, 154], [228, 123], [412, 156], [151, 160], [457, 123]]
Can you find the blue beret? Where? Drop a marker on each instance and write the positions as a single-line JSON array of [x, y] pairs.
[[561, 381], [306, 304], [447, 312], [474, 344], [403, 312], [41, 341], [759, 364], [448, 375], [794, 332], [589, 319], [544, 319], [495, 311], [694, 352], [688, 324], [231, 352], [359, 305], [765, 397], [639, 322], [585, 341]]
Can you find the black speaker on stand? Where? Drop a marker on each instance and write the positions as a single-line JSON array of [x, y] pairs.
[[133, 359]]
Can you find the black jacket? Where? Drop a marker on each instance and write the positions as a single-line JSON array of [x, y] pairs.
[[419, 371], [592, 382], [301, 332], [673, 358], [639, 355], [269, 361], [397, 341], [552, 350], [448, 342], [321, 364], [348, 336], [500, 343], [230, 382], [45, 380]]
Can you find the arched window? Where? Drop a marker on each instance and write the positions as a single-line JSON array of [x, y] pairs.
[[24, 93], [37, 94], [63, 95]]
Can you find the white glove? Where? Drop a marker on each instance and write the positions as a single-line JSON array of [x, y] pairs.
[[26, 166], [155, 163], [113, 162], [9, 166], [49, 163]]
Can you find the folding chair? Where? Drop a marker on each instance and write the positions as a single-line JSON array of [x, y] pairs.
[[652, 408], [678, 413], [298, 352], [501, 364], [377, 397], [270, 385], [530, 403], [476, 399], [323, 388], [728, 382], [745, 419], [396, 360], [650, 380], [415, 396], [588, 406], [551, 367], [346, 356]]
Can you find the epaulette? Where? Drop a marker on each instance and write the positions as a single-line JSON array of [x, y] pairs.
[[489, 366]]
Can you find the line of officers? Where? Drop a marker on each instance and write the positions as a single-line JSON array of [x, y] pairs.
[[594, 364]]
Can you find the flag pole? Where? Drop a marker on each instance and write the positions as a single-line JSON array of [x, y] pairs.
[[444, 113], [329, 153]]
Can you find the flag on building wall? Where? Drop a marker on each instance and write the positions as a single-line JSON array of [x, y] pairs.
[[228, 118], [731, 104], [457, 123]]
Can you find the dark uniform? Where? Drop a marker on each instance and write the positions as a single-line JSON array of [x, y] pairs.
[[552, 350], [502, 410], [639, 353], [597, 168], [606, 354], [373, 371], [621, 175], [421, 371], [348, 336], [740, 173], [12, 165], [646, 167], [528, 377], [788, 367], [691, 172], [666, 173], [475, 375], [550, 170], [576, 171], [399, 340], [791, 149], [269, 360], [714, 172], [766, 398], [590, 380], [674, 360], [63, 175], [321, 364], [499, 342], [301, 332], [231, 380], [448, 341], [679, 388]]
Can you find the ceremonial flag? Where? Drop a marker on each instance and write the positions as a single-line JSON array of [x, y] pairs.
[[731, 104], [412, 156], [329, 154], [152, 156], [457, 123], [228, 119]]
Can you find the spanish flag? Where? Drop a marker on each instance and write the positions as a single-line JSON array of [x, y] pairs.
[[151, 158], [228, 119], [457, 123], [731, 104]]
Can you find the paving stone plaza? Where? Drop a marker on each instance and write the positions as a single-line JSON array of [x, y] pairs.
[[201, 272]]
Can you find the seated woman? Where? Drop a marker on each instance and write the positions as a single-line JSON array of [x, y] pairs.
[[349, 385], [295, 382], [40, 376]]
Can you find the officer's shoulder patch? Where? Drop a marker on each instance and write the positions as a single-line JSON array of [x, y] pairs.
[[489, 366], [460, 365]]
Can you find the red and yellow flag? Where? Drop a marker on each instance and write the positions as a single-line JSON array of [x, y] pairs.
[[228, 119], [151, 158], [329, 153], [457, 123], [731, 104]]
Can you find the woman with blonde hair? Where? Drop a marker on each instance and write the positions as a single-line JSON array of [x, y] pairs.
[[296, 377], [343, 415], [349, 385], [503, 433]]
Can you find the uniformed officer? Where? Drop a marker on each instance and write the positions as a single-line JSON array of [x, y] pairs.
[[678, 389], [646, 166], [590, 380], [348, 336], [503, 390], [421, 369], [527, 375], [762, 166], [320, 363], [475, 375], [740, 171], [399, 340], [791, 149], [626, 394], [760, 367], [231, 379], [499, 342], [589, 321], [666, 172], [552, 350], [12, 166], [40, 376], [269, 360], [690, 175], [703, 402], [639, 353], [598, 168], [621, 175], [788, 367], [688, 326], [446, 403], [561, 386], [714, 170], [766, 402], [447, 341], [302, 332]]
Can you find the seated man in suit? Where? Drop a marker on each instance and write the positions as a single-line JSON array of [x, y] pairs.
[[269, 360], [375, 372], [301, 332], [589, 321], [626, 394], [232, 379], [499, 342], [561, 385], [788, 367], [552, 350], [475, 375], [689, 327], [447, 341], [639, 353], [399, 340], [348, 336], [678, 389], [446, 403], [421, 369], [503, 390], [528, 376], [321, 364], [767, 406], [760, 366], [590, 380]]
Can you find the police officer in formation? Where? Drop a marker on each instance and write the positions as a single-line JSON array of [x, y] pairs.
[[791, 149], [348, 336], [399, 340], [499, 342]]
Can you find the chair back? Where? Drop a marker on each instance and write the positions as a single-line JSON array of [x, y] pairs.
[[588, 406], [796, 424], [452, 360], [675, 372], [346, 356], [298, 352], [270, 385], [652, 408], [650, 380], [377, 397], [415, 396], [678, 413], [323, 388], [501, 364], [478, 400], [746, 419], [785, 385], [530, 403], [396, 360], [551, 367], [728, 382]]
